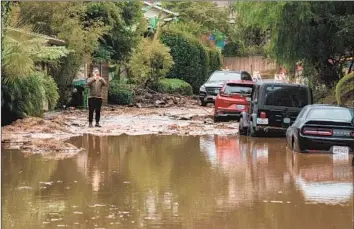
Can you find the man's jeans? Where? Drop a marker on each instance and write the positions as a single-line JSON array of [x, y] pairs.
[[94, 105]]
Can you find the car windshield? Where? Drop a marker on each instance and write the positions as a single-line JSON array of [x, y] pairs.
[[224, 76], [340, 114], [286, 96], [238, 89]]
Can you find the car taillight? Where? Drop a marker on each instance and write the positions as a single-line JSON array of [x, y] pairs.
[[317, 132], [263, 115], [352, 134]]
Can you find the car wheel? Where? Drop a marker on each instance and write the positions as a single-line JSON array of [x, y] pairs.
[[216, 118], [241, 129], [295, 146], [203, 103], [252, 131]]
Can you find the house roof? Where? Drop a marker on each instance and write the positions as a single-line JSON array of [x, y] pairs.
[[51, 40], [154, 5]]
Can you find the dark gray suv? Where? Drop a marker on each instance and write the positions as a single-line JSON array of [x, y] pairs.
[[210, 89]]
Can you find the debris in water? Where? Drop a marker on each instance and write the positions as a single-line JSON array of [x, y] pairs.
[[46, 183], [24, 188], [78, 213], [97, 205], [59, 219], [276, 201], [111, 216], [124, 212]]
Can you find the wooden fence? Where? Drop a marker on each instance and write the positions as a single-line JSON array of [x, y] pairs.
[[251, 64]]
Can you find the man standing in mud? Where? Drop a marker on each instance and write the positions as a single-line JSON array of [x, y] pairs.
[[96, 83]]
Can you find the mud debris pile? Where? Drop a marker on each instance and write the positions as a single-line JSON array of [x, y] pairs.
[[149, 98], [47, 135]]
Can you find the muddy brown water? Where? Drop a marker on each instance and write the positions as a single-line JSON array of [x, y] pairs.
[[177, 182]]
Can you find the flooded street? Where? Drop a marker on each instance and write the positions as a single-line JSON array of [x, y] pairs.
[[197, 182]]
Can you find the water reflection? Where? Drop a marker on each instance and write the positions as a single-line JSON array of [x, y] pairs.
[[175, 182], [323, 178]]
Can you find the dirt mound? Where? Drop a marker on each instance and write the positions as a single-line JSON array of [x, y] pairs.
[[34, 124], [150, 98]]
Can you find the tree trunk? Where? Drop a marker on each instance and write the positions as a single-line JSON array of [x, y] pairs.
[[350, 67]]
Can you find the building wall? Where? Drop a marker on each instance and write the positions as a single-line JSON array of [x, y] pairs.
[[251, 64]]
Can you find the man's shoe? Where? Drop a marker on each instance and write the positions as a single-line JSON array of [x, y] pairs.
[[98, 125], [90, 125]]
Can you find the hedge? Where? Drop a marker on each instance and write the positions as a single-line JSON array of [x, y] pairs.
[[121, 94], [173, 86], [193, 61]]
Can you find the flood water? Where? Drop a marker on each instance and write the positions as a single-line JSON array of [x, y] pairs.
[[177, 182]]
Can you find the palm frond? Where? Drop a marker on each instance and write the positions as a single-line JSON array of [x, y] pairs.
[[21, 50]]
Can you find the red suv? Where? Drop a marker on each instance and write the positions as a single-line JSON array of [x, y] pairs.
[[233, 99]]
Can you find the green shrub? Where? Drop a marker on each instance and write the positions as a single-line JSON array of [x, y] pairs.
[[22, 97], [344, 86], [173, 86], [150, 62], [233, 49], [190, 57], [121, 94], [214, 59], [50, 91]]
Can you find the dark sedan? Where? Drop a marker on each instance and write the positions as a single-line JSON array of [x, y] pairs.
[[322, 129]]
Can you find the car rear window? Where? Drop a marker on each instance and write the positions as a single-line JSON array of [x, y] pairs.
[[340, 114], [224, 76], [238, 89], [287, 96]]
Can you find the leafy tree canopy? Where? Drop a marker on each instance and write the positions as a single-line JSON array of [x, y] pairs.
[[312, 32], [125, 20], [315, 32], [207, 14], [65, 20]]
